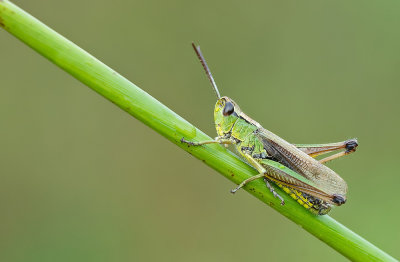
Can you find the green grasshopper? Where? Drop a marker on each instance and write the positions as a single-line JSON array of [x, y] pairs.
[[292, 167]]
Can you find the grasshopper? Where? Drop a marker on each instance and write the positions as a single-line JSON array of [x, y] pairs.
[[292, 167]]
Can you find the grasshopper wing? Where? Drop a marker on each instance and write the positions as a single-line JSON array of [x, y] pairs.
[[325, 180], [287, 177]]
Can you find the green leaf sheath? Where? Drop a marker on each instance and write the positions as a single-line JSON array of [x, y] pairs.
[[147, 109]]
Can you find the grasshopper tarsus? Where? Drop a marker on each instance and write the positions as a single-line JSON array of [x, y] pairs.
[[183, 140], [276, 195], [233, 191]]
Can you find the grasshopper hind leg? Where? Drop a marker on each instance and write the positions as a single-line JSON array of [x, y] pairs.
[[276, 195], [314, 150]]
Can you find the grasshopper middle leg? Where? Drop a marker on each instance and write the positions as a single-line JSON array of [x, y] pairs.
[[273, 191], [262, 172], [247, 181]]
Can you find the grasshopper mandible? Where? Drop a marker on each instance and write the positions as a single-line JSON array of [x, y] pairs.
[[292, 167]]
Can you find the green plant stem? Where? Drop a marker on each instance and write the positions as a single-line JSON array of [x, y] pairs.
[[147, 109]]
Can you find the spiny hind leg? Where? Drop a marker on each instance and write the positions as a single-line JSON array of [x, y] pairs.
[[320, 149], [276, 195], [332, 157], [314, 150]]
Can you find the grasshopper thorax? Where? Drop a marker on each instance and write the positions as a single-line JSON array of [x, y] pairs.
[[226, 113]]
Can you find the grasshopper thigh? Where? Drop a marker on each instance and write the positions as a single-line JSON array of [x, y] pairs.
[[314, 150]]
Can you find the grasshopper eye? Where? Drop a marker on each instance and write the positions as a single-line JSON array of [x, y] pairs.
[[228, 109]]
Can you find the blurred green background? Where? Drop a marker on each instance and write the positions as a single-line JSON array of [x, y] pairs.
[[81, 180]]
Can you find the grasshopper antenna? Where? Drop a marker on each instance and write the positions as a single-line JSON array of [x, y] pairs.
[[205, 66]]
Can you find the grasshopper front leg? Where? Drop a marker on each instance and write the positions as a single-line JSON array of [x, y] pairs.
[[218, 140], [262, 171]]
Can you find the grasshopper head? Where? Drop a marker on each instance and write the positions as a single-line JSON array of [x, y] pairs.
[[226, 113]]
